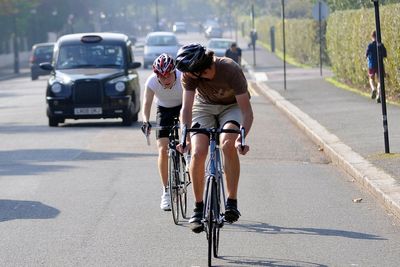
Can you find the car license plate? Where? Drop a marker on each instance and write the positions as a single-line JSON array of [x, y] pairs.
[[88, 111]]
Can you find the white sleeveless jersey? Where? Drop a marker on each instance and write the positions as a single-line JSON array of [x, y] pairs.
[[167, 98]]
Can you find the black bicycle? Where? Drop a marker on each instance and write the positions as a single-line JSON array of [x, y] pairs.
[[214, 197], [178, 175]]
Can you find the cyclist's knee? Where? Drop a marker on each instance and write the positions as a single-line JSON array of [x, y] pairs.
[[228, 145], [163, 150], [199, 153]]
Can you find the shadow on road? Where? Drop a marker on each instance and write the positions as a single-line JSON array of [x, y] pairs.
[[265, 228], [21, 209], [33, 161], [70, 125], [254, 261]]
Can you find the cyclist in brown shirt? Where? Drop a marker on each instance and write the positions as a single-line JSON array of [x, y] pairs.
[[214, 95]]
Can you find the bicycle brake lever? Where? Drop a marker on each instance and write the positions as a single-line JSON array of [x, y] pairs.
[[242, 139], [183, 137]]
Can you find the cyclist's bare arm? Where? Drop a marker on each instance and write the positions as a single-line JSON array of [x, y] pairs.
[[147, 102], [186, 113], [243, 101]]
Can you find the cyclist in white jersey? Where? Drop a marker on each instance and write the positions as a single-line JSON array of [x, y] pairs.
[[165, 85]]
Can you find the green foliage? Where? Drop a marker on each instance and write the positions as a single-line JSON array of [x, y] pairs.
[[348, 34], [301, 38], [336, 5]]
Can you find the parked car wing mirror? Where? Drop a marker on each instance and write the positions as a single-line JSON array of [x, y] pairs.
[[46, 66], [134, 65]]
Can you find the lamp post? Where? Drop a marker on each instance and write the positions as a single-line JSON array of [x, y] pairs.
[[252, 36], [284, 44], [71, 22], [381, 75], [15, 45], [157, 18], [34, 31]]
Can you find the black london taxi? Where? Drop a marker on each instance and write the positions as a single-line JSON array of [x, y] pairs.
[[93, 75]]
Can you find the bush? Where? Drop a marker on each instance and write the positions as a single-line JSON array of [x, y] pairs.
[[348, 34]]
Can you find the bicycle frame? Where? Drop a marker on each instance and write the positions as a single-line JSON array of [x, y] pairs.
[[214, 174]]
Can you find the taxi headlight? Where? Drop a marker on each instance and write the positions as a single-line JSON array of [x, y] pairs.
[[120, 86], [56, 88]]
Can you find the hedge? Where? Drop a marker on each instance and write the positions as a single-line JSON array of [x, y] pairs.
[[348, 34]]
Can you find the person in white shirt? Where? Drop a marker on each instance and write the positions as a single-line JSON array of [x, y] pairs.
[[165, 84]]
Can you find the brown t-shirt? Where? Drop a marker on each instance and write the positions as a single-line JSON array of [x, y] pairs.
[[228, 82]]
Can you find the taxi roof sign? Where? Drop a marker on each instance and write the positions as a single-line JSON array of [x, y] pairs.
[[91, 39]]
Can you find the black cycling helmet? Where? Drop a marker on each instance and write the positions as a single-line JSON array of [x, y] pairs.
[[193, 58]]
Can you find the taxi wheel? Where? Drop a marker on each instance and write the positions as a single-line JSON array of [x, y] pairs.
[[53, 122], [127, 119]]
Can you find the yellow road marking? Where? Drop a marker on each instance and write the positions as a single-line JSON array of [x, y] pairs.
[[251, 89]]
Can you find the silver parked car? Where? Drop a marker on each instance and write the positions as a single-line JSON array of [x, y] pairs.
[[213, 32], [219, 45], [157, 43]]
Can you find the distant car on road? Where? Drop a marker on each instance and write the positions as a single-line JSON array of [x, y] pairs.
[[213, 32], [42, 52], [179, 27], [93, 76], [219, 45], [157, 43]]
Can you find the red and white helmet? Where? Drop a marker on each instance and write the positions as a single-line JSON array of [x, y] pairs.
[[164, 64]]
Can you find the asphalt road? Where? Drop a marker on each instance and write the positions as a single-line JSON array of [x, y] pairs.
[[87, 194]]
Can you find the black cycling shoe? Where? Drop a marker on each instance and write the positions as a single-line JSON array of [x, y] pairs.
[[195, 222], [232, 214]]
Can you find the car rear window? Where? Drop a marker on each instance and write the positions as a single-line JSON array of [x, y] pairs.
[[43, 50], [162, 40], [220, 44]]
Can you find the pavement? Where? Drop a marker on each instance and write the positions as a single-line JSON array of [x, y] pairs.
[[346, 125], [8, 72]]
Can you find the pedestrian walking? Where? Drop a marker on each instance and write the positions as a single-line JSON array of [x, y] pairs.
[[372, 60]]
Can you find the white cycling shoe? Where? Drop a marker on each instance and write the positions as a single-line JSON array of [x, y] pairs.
[[165, 201]]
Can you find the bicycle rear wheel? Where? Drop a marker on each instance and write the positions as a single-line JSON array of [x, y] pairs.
[[216, 240], [218, 223], [173, 185]]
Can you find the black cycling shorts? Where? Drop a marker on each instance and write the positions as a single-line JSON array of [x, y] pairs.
[[165, 117]]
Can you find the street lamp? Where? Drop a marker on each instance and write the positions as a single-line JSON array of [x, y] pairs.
[[284, 44], [71, 22], [381, 75], [34, 32], [157, 18]]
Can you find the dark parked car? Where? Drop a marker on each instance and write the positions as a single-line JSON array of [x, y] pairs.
[[42, 52], [93, 76]]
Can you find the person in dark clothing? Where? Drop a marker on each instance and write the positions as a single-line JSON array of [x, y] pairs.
[[372, 60], [235, 53], [253, 38]]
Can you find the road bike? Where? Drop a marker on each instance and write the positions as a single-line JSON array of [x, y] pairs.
[[178, 174], [214, 197]]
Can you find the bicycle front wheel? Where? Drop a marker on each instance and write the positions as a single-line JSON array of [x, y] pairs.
[[211, 220], [217, 216], [183, 176], [173, 185]]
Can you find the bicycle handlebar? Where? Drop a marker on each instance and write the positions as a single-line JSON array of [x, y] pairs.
[[158, 127], [210, 131]]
